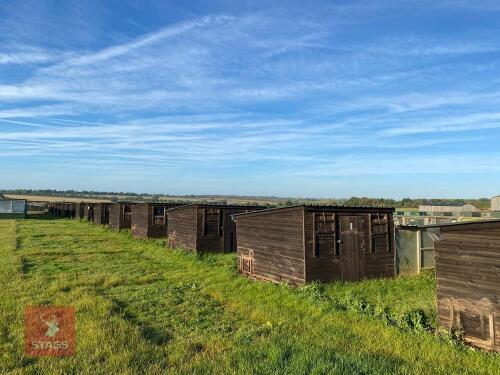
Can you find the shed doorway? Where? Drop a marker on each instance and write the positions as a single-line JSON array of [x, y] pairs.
[[352, 247], [229, 231]]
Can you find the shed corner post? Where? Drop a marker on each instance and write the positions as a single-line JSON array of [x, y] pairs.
[[419, 251], [304, 242], [196, 228]]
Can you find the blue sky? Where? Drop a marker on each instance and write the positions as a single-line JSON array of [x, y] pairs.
[[306, 98]]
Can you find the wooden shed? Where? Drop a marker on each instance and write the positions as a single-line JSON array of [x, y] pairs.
[[316, 243], [205, 227], [468, 281], [120, 215], [69, 210], [13, 209], [149, 220], [101, 213], [88, 212], [79, 208]]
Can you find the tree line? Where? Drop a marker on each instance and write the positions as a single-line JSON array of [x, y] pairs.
[[483, 203]]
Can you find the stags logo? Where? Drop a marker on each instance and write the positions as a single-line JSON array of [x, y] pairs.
[[49, 331]]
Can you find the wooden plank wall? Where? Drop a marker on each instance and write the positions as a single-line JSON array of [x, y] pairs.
[[468, 283], [140, 220], [101, 214], [376, 259], [88, 212], [325, 266], [79, 211], [182, 228], [116, 216], [381, 261], [274, 244], [206, 242], [156, 230]]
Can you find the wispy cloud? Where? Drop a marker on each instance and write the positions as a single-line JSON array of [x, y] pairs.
[[292, 92]]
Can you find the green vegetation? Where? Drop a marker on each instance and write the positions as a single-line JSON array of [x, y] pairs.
[[406, 203], [142, 308]]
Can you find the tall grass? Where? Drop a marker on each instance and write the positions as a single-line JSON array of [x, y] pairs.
[[144, 309]]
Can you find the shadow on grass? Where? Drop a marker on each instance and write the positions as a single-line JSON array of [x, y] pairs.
[[45, 217], [26, 265], [148, 332]]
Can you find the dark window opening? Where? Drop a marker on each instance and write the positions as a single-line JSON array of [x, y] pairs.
[[127, 212], [325, 239], [159, 216], [212, 225], [380, 234]]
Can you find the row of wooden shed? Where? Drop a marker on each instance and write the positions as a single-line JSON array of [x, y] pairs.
[[323, 243], [293, 244]]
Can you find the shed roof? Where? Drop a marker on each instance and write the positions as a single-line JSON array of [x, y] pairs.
[[222, 206], [453, 227], [311, 207], [156, 203]]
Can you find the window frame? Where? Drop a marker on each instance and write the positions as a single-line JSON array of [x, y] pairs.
[[162, 218], [379, 220], [215, 212], [318, 233]]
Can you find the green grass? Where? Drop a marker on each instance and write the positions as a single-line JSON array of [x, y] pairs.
[[144, 309]]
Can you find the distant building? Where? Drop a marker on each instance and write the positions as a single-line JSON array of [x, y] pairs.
[[495, 203], [13, 209], [457, 209]]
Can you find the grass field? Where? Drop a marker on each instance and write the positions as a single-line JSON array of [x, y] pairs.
[[142, 308]]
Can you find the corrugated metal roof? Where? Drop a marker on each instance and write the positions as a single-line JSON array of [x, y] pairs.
[[216, 205], [462, 223], [320, 207]]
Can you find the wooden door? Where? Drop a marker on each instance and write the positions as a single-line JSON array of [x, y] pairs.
[[229, 231], [352, 230]]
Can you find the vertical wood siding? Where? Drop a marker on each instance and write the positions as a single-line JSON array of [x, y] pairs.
[[101, 213], [204, 228], [208, 240], [370, 255], [182, 228], [142, 220], [79, 211], [116, 216], [322, 265]]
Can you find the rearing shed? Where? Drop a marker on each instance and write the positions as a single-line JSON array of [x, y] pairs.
[[120, 215], [149, 220], [468, 281], [316, 243], [205, 227]]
